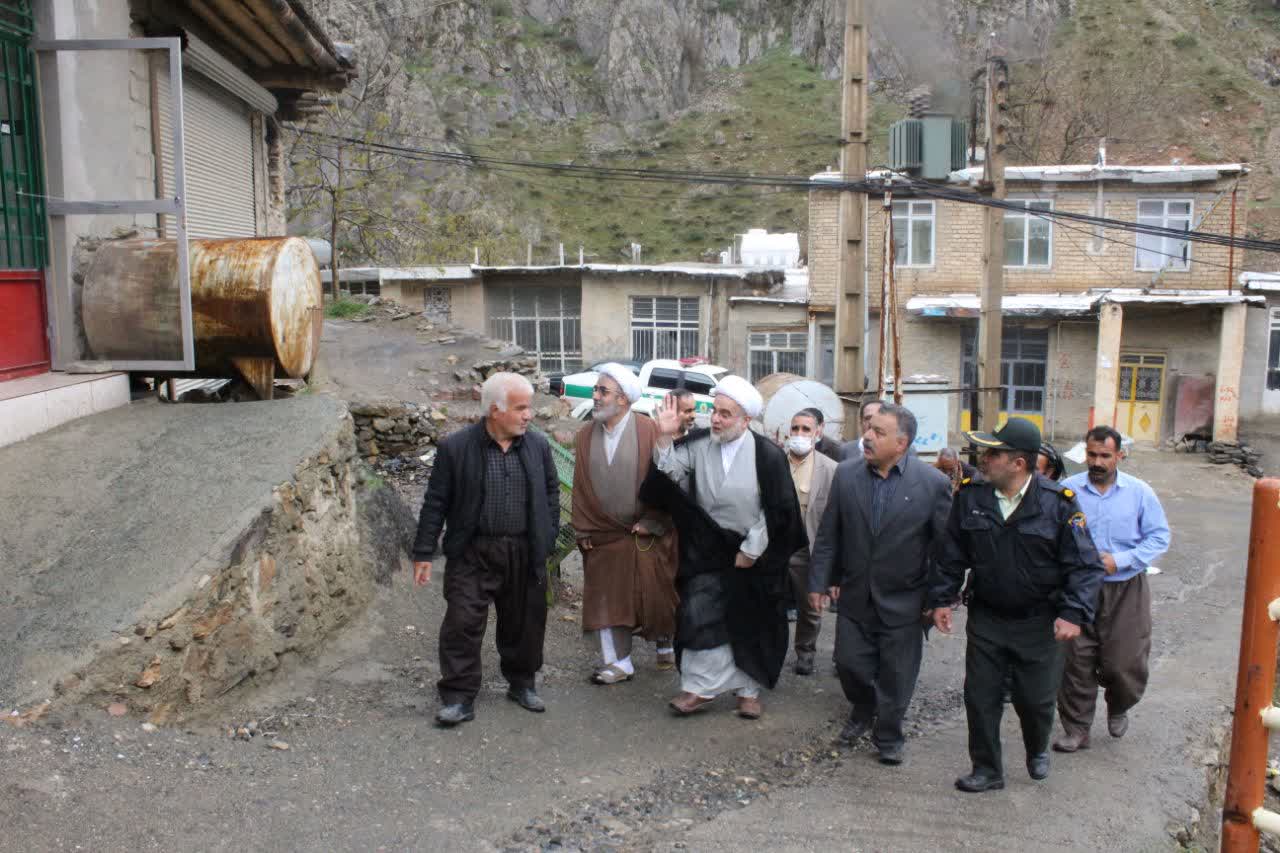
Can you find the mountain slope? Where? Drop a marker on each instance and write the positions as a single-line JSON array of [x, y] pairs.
[[741, 86]]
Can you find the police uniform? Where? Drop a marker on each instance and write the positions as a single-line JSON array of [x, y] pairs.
[[1026, 571]]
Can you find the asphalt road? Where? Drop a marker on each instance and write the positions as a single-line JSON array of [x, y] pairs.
[[608, 768]]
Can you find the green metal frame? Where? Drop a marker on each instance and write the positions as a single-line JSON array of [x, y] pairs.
[[567, 540], [24, 239]]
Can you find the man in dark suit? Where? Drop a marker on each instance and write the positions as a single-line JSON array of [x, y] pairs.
[[494, 489], [873, 556]]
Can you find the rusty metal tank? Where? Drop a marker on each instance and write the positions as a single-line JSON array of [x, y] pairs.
[[256, 304]]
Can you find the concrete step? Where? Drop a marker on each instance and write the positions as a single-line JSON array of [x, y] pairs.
[[34, 404]]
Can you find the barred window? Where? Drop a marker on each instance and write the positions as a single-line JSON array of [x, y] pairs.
[[664, 327], [543, 320], [777, 352]]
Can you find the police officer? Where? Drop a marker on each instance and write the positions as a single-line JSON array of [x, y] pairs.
[[1034, 581]]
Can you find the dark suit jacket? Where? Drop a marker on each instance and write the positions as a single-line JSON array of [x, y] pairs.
[[881, 575], [455, 495]]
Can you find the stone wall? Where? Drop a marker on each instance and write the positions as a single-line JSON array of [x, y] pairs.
[[304, 568]]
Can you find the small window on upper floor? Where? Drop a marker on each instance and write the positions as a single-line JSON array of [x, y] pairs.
[[913, 233], [1156, 252], [1028, 237]]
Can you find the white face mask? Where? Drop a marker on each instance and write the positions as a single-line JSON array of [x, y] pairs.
[[800, 445]]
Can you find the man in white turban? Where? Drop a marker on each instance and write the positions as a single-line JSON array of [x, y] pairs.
[[628, 549], [730, 495]]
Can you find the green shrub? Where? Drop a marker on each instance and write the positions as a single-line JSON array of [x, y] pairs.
[[343, 309]]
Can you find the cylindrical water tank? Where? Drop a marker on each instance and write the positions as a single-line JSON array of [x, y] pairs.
[[785, 394], [254, 298]]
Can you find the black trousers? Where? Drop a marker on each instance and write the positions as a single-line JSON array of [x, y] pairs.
[[1026, 650], [878, 667], [493, 569]]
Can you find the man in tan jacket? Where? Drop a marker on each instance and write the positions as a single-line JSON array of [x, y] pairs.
[[812, 473]]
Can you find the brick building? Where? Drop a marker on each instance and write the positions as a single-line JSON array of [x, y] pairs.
[[1100, 326]]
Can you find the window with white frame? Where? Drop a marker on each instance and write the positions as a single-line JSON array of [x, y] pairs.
[[777, 352], [913, 233], [1273, 353], [664, 327], [1028, 237], [543, 320], [1156, 253]]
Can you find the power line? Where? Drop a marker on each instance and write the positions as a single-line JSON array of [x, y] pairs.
[[794, 183]]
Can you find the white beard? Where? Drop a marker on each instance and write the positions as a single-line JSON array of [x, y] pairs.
[[728, 435], [604, 413]]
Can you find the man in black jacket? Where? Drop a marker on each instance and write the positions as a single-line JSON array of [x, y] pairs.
[[494, 489], [884, 518], [1034, 579]]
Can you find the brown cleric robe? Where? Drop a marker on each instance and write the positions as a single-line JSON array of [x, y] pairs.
[[629, 579]]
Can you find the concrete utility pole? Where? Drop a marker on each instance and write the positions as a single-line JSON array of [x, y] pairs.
[[990, 316], [850, 319]]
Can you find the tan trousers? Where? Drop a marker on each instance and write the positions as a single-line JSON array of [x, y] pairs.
[[1112, 653]]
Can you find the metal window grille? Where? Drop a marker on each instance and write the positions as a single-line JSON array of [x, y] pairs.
[[543, 320], [362, 288], [1157, 253], [437, 302], [777, 352], [1028, 237], [22, 212], [913, 233], [1024, 364], [664, 327]]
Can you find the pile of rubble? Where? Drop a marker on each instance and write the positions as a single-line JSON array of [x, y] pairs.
[[1235, 453]]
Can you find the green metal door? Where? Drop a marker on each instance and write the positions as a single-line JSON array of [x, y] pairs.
[[24, 346], [22, 242]]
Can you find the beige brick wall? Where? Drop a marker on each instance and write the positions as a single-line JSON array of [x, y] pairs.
[[824, 247], [1074, 267]]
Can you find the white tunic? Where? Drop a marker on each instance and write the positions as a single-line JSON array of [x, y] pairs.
[[729, 492], [727, 487]]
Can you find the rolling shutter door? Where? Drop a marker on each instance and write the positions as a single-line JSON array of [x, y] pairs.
[[219, 156]]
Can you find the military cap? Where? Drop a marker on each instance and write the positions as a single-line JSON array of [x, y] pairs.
[[1015, 434]]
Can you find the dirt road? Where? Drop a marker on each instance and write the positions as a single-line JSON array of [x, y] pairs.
[[607, 768]]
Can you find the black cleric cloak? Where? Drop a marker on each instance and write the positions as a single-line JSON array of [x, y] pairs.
[[719, 603]]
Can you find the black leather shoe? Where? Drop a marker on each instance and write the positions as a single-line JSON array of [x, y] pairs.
[[459, 712], [527, 698], [854, 728], [804, 663], [1038, 766], [976, 783], [892, 755]]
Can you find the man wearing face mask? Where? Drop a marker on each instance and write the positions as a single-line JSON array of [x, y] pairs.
[[812, 472]]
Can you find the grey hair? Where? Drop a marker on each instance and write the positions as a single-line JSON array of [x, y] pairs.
[[497, 389], [948, 453], [906, 420]]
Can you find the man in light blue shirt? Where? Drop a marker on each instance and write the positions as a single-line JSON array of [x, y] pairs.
[[1128, 527]]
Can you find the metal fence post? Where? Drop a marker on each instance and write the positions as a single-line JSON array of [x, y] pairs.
[[1255, 678]]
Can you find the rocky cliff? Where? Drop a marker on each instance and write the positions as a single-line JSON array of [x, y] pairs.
[[747, 85]]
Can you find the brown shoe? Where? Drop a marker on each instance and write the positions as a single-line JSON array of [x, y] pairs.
[[1071, 743], [749, 708], [689, 703], [666, 661]]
